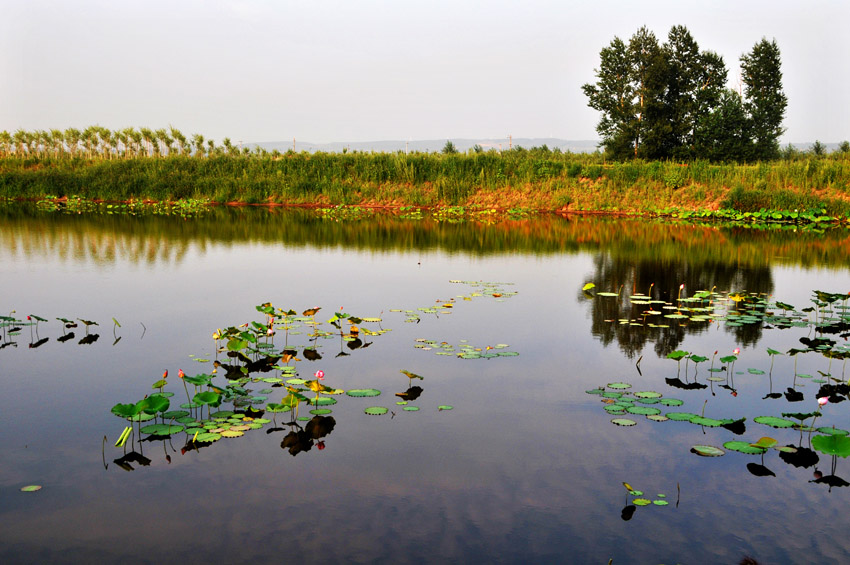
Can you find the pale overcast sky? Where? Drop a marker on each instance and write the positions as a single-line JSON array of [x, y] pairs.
[[327, 70]]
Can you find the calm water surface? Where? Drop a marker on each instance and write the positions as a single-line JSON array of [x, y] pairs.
[[527, 467]]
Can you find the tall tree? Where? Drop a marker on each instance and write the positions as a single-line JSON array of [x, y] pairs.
[[649, 68], [695, 81], [613, 96], [765, 100], [723, 134]]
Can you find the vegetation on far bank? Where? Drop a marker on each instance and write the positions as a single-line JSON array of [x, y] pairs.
[[98, 164]]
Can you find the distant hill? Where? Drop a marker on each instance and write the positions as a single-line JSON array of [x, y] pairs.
[[431, 145], [462, 144]]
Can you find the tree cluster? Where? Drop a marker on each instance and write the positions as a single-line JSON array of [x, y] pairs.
[[99, 142], [670, 100]]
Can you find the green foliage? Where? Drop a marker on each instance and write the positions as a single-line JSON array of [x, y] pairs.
[[668, 101]]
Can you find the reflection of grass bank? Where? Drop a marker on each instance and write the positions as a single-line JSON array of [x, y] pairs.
[[154, 237], [535, 179]]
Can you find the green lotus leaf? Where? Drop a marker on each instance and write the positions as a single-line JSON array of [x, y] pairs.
[[623, 422], [641, 502], [156, 404], [614, 409], [678, 354], [175, 414], [619, 385], [30, 488], [832, 431], [198, 380], [707, 451], [832, 445], [707, 422], [648, 394], [660, 502], [643, 410], [681, 416], [162, 429], [444, 407], [322, 401], [671, 402], [411, 408], [755, 371], [774, 422], [744, 447], [362, 392], [376, 410], [207, 397], [657, 418], [125, 410]]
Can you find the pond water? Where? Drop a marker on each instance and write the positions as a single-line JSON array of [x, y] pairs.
[[526, 466]]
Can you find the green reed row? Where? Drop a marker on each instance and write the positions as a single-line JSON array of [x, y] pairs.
[[536, 178]]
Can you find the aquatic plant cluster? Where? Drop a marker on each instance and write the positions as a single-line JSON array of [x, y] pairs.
[[828, 315], [250, 359]]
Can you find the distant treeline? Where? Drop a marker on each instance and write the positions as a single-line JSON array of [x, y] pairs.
[[99, 165]]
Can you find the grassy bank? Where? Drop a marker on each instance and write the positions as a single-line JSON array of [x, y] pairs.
[[528, 179]]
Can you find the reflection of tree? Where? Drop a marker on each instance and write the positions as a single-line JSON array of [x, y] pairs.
[[663, 279]]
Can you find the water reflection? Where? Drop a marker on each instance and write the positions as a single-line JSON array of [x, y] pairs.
[[662, 280], [25, 231]]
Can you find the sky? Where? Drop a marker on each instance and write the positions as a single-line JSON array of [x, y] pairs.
[[325, 71]]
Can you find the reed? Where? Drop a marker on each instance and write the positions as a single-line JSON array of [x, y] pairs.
[[534, 179]]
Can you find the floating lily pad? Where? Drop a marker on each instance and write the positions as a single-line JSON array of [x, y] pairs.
[[623, 422], [320, 411], [707, 451], [648, 394], [322, 401], [774, 422], [376, 410], [707, 422], [30, 488], [660, 502], [232, 433], [411, 408], [208, 437], [832, 431], [175, 414], [615, 409], [643, 410], [681, 416], [360, 392], [162, 429], [444, 407], [671, 402], [657, 418], [744, 447], [619, 385]]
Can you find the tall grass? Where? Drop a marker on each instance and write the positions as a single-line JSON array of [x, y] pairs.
[[535, 178]]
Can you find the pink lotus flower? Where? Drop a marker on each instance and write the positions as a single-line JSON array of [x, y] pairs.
[[736, 351], [180, 373], [320, 375], [822, 400]]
